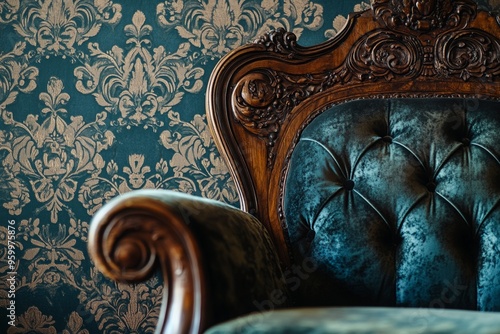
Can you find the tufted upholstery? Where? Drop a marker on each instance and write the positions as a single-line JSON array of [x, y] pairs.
[[398, 204]]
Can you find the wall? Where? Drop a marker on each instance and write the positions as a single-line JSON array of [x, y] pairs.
[[98, 98]]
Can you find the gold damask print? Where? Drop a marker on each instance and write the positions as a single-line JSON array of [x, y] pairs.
[[50, 254], [16, 75], [139, 85], [135, 64], [122, 308], [196, 157], [78, 228], [8, 10], [195, 168], [49, 157], [75, 324], [55, 27], [136, 173], [218, 26], [52, 257], [340, 20], [34, 321], [99, 189]]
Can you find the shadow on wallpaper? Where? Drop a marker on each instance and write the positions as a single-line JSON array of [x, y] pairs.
[[98, 98]]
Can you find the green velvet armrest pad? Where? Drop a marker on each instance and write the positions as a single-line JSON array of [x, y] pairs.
[[239, 257]]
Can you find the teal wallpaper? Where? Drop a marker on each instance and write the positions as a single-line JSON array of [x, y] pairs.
[[98, 98]]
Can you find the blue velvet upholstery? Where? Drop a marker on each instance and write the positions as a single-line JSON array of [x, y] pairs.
[[395, 202]]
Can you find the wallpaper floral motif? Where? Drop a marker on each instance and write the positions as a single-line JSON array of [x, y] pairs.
[[98, 98]]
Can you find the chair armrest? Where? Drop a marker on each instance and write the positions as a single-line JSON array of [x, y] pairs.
[[217, 262]]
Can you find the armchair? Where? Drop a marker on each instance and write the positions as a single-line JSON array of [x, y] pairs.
[[368, 170]]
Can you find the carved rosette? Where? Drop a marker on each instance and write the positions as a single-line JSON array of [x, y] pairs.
[[262, 100], [466, 54], [253, 103]]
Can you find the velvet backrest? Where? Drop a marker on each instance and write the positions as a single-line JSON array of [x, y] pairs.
[[397, 202]]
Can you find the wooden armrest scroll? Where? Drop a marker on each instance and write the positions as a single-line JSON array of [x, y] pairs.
[[131, 237]]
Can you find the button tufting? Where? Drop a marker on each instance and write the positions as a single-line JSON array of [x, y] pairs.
[[387, 139], [466, 141], [431, 186], [349, 185], [397, 240], [310, 235]]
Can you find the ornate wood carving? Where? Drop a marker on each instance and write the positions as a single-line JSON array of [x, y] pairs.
[[424, 15], [384, 54], [426, 38], [279, 41], [468, 54], [263, 99]]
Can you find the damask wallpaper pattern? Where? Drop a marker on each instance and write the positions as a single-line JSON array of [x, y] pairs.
[[98, 98]]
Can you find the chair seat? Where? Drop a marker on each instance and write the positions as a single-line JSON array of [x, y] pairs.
[[363, 320]]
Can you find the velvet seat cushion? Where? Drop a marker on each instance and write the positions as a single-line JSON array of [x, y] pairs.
[[396, 202], [363, 320]]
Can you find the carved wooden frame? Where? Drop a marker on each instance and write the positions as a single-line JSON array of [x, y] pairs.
[[262, 95]]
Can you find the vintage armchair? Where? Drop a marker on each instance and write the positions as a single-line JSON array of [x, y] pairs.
[[368, 170]]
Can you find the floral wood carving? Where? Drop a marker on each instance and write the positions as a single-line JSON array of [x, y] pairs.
[[279, 41], [469, 53], [385, 54], [424, 15], [262, 99]]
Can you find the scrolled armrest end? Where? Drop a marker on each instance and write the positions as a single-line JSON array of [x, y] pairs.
[[133, 236]]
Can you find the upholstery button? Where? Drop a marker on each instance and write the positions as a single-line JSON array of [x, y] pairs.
[[349, 185], [310, 235], [387, 139], [431, 186], [466, 141], [397, 240]]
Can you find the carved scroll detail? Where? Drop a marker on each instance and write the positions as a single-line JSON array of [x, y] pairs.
[[424, 15], [134, 236], [468, 53], [262, 100], [279, 41], [416, 39], [385, 54]]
